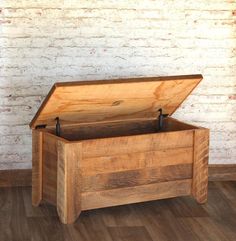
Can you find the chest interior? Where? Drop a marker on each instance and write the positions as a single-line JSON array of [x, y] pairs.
[[119, 129]]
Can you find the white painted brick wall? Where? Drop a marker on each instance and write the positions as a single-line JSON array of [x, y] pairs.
[[44, 41]]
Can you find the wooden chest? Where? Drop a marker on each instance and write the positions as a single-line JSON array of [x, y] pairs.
[[105, 143]]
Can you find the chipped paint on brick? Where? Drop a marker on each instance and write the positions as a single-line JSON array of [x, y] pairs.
[[232, 97]]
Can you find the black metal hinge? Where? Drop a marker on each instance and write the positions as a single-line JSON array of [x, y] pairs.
[[160, 119], [58, 126]]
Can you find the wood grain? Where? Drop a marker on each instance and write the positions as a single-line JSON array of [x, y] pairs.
[[131, 178], [172, 124], [121, 128], [137, 160], [136, 144], [68, 182], [37, 142], [15, 178], [119, 196], [50, 168], [200, 165], [124, 99], [110, 129]]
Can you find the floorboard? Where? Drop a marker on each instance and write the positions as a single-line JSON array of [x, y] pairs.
[[175, 219]]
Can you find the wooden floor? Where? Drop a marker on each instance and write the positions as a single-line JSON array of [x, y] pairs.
[[176, 219]]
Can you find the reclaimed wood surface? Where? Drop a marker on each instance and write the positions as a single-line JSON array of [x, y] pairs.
[[119, 196], [112, 100], [136, 144], [68, 182], [172, 124], [108, 129], [121, 128], [131, 178], [50, 151], [37, 149], [132, 166], [95, 173], [136, 160], [200, 165], [94, 166]]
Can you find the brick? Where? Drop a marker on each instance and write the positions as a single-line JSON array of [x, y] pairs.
[[47, 41]]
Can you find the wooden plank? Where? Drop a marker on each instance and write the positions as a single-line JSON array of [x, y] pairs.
[[37, 142], [138, 143], [110, 129], [91, 200], [133, 178], [95, 101], [68, 182], [133, 161], [200, 165], [50, 168], [222, 172], [15, 178], [172, 124], [121, 128]]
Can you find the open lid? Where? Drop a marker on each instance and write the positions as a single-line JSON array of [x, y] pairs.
[[113, 100]]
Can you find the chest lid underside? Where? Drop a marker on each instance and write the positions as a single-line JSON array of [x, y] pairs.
[[84, 102]]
